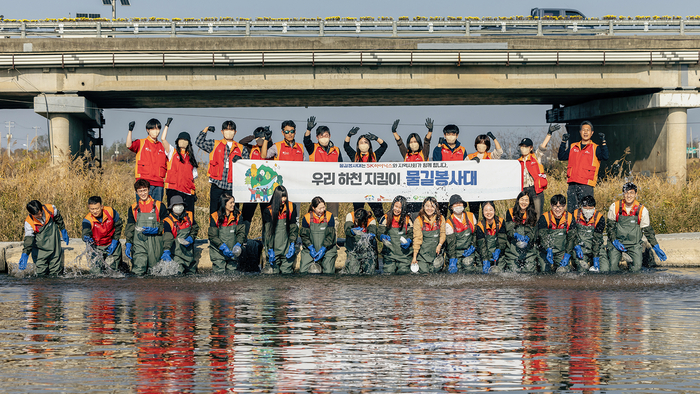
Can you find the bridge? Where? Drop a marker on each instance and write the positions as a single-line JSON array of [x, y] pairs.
[[635, 89]]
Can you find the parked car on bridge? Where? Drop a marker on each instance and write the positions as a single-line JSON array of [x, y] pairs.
[[556, 12]]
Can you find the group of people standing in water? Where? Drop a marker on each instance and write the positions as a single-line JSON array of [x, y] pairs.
[[454, 236]]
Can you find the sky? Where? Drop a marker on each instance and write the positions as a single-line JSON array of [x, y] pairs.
[[512, 122]]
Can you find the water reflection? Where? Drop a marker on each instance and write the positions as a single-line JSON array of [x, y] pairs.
[[413, 333]]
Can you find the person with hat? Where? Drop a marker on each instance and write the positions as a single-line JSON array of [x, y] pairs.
[[556, 233], [43, 231], [584, 159], [628, 221], [589, 225], [449, 149], [151, 161], [460, 231], [181, 226], [144, 230], [228, 232], [365, 154], [534, 179], [222, 154], [395, 231], [182, 168], [102, 228], [323, 151], [521, 229]]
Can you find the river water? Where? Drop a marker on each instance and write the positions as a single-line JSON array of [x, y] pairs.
[[413, 333]]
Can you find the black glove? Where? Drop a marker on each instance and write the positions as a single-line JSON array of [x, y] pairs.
[[353, 131], [131, 125], [236, 158], [441, 141], [372, 137], [602, 137], [311, 123], [564, 137], [490, 134], [395, 125], [212, 129], [167, 123], [429, 125], [268, 133], [476, 159], [553, 127]]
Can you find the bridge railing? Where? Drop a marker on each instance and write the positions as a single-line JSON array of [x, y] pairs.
[[348, 28]]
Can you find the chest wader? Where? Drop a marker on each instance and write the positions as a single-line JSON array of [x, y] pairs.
[[585, 238], [491, 246], [327, 263], [220, 263], [184, 254], [112, 262], [426, 254], [630, 234], [48, 254], [147, 249], [467, 264], [522, 259], [280, 244], [555, 239], [397, 260]]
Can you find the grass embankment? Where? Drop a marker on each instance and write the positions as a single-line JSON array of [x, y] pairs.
[[673, 208]]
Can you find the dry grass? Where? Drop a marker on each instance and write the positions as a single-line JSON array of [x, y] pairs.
[[673, 208]]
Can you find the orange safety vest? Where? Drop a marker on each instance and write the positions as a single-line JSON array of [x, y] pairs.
[[286, 211], [487, 155], [592, 222], [228, 222], [430, 226], [563, 223], [536, 171], [49, 213], [216, 160], [513, 216], [151, 161], [179, 175], [256, 153], [102, 232], [396, 220], [583, 164], [414, 156], [636, 210], [365, 158], [148, 206], [176, 225], [319, 154], [491, 230], [311, 218], [459, 227], [287, 153], [449, 155]]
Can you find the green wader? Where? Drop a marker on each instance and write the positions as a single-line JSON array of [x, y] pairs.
[[184, 255], [112, 261], [426, 253], [630, 234], [146, 249], [280, 244], [491, 246], [318, 234], [555, 239], [48, 254], [397, 260], [220, 263], [464, 241], [585, 239], [521, 260]]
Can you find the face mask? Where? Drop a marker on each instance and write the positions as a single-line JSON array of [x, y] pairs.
[[229, 134], [324, 141], [451, 139], [458, 210], [364, 148], [588, 212], [414, 146], [259, 141], [178, 209], [524, 150], [481, 148]]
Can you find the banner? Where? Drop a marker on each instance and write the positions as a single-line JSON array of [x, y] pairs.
[[255, 180]]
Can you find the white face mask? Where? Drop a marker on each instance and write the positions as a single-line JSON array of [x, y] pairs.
[[458, 210], [481, 148], [525, 150], [323, 141], [229, 134], [178, 209], [364, 148], [451, 139], [588, 212], [414, 146]]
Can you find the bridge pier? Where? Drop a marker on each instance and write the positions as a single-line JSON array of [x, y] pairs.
[[645, 134], [71, 119]]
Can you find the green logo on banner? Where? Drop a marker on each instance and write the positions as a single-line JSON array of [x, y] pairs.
[[262, 182]]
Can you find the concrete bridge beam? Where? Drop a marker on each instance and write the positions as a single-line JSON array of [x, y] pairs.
[[70, 117]]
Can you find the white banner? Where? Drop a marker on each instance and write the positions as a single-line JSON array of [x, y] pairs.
[[255, 180]]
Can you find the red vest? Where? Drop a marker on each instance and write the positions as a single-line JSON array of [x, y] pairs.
[[583, 164], [512, 216], [428, 226], [255, 153], [285, 153], [487, 155], [319, 154], [414, 157], [216, 160], [563, 223], [536, 171], [179, 175], [149, 206], [449, 155], [102, 232], [459, 227], [491, 230], [365, 157], [592, 222], [228, 222], [151, 161], [176, 225], [636, 210], [311, 218]]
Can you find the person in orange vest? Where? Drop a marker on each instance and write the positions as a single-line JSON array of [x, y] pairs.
[[522, 231], [365, 154], [324, 151], [151, 160], [584, 163], [534, 179], [482, 144], [589, 224], [449, 149], [557, 235], [144, 230], [182, 168], [43, 230], [254, 145], [222, 154], [417, 151], [287, 149], [102, 228], [179, 233]]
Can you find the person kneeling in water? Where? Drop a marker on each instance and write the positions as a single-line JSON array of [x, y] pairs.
[[521, 228], [557, 236], [318, 237], [360, 230]]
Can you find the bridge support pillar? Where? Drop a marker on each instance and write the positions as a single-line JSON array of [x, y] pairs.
[[71, 119], [645, 134]]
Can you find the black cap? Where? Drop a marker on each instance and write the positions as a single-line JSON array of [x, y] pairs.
[[456, 199], [184, 136], [526, 142]]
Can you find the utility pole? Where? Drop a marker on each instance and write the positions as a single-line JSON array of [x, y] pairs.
[[9, 124], [36, 138]]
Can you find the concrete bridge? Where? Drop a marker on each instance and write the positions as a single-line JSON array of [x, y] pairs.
[[636, 90]]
